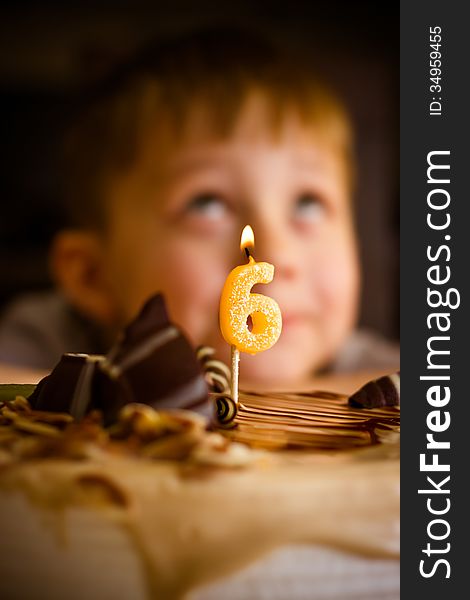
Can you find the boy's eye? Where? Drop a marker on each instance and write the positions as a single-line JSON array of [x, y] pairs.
[[208, 205], [309, 207]]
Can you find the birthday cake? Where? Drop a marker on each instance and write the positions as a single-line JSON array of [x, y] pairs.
[[104, 496]]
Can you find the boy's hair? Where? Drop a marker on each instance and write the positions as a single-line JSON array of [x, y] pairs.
[[215, 70]]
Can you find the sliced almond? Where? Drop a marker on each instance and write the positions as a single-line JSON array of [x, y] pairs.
[[233, 455], [172, 447], [35, 427]]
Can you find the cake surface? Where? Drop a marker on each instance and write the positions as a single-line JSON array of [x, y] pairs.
[[168, 506]]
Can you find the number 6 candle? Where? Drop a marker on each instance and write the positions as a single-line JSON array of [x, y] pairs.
[[237, 303]]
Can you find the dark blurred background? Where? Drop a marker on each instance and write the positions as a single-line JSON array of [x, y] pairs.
[[49, 50]]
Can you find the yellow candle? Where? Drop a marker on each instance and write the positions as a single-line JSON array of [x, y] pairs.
[[237, 303]]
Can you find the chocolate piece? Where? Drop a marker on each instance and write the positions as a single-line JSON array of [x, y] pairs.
[[153, 363], [384, 391], [61, 390]]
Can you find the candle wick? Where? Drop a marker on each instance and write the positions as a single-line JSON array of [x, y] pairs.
[[247, 252]]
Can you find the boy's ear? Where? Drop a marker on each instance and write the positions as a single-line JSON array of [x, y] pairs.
[[77, 263]]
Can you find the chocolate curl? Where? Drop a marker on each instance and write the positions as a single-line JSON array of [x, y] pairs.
[[226, 411], [218, 377], [378, 393], [216, 372]]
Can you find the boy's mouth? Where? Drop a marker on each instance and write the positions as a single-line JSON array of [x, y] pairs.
[[292, 319]]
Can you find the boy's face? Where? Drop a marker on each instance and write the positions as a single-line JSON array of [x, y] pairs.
[[175, 227]]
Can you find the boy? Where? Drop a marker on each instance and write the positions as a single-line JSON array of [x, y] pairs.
[[168, 162]]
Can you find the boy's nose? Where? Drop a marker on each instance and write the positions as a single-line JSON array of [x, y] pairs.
[[276, 247]]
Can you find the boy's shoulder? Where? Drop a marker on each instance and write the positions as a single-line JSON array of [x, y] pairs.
[[366, 349], [37, 328]]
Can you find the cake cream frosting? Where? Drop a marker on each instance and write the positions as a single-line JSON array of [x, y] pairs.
[[194, 506]]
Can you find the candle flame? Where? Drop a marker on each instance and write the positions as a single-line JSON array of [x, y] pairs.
[[248, 238]]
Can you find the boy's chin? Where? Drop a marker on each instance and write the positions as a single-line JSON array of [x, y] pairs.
[[273, 369]]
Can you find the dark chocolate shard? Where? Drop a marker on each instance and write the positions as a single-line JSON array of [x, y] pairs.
[[378, 393], [56, 392], [152, 318], [153, 363]]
